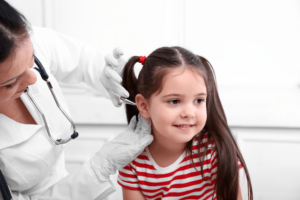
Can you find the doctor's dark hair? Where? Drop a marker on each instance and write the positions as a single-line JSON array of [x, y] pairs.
[[13, 30], [150, 81]]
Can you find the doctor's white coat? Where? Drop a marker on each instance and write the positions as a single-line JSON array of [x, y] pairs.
[[34, 167]]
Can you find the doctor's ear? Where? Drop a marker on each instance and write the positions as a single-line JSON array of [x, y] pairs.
[[142, 106]]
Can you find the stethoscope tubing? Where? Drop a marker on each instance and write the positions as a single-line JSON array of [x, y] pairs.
[[45, 77]]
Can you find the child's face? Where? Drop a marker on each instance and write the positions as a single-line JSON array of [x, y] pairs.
[[178, 113]]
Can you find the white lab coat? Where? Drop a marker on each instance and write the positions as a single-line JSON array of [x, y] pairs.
[[34, 167]]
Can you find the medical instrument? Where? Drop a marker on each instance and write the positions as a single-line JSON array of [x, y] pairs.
[[126, 101], [45, 77]]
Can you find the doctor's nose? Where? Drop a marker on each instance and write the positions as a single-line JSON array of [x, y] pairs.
[[188, 111], [30, 77]]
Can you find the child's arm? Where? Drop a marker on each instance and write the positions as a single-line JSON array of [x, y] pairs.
[[132, 194]]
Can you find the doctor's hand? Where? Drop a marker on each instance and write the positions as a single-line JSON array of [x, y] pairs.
[[120, 151], [110, 76]]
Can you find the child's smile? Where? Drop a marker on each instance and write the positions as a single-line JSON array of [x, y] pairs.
[[184, 127], [178, 112]]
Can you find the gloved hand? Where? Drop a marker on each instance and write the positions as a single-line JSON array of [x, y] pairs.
[[120, 151], [110, 76]]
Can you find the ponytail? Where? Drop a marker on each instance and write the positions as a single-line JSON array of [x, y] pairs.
[[130, 84]]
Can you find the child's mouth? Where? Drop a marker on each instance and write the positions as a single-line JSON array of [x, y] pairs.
[[184, 127]]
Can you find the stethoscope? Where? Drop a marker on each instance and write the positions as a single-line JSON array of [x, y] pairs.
[[45, 77]]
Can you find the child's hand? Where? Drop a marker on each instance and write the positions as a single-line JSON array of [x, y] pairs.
[[120, 151]]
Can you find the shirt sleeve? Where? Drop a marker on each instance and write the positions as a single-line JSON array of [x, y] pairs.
[[67, 59], [127, 178]]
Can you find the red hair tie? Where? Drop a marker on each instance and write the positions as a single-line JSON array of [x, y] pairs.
[[142, 59]]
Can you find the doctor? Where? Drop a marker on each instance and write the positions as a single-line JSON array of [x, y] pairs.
[[33, 166]]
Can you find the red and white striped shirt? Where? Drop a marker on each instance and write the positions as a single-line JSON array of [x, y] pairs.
[[180, 180]]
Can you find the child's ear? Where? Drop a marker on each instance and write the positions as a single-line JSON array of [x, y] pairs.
[[142, 105]]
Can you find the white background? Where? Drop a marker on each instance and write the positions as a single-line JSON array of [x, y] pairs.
[[254, 47]]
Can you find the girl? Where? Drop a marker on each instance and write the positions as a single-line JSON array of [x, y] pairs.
[[193, 154]]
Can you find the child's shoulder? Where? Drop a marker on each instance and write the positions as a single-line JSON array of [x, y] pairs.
[[142, 161]]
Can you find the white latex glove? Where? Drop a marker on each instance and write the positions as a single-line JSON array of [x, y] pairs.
[[120, 151], [118, 53], [110, 76]]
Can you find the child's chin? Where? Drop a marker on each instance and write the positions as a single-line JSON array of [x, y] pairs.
[[184, 139]]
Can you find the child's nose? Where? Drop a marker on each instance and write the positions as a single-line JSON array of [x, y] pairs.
[[188, 111]]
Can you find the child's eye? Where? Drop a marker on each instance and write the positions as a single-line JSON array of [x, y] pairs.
[[173, 101], [198, 101]]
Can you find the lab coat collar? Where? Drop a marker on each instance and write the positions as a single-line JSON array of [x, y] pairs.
[[12, 132]]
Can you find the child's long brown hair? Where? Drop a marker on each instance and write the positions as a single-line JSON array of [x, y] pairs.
[[150, 81]]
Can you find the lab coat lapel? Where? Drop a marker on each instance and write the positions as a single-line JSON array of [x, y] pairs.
[[12, 132]]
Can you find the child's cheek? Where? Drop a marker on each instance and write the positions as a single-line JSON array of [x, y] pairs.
[[166, 116], [162, 119]]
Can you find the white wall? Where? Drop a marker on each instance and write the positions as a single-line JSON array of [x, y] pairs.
[[254, 47]]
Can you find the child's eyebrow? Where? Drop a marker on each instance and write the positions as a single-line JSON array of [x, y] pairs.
[[178, 95], [201, 94], [168, 95]]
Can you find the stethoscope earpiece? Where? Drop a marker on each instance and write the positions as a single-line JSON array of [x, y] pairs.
[[40, 68], [26, 90]]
